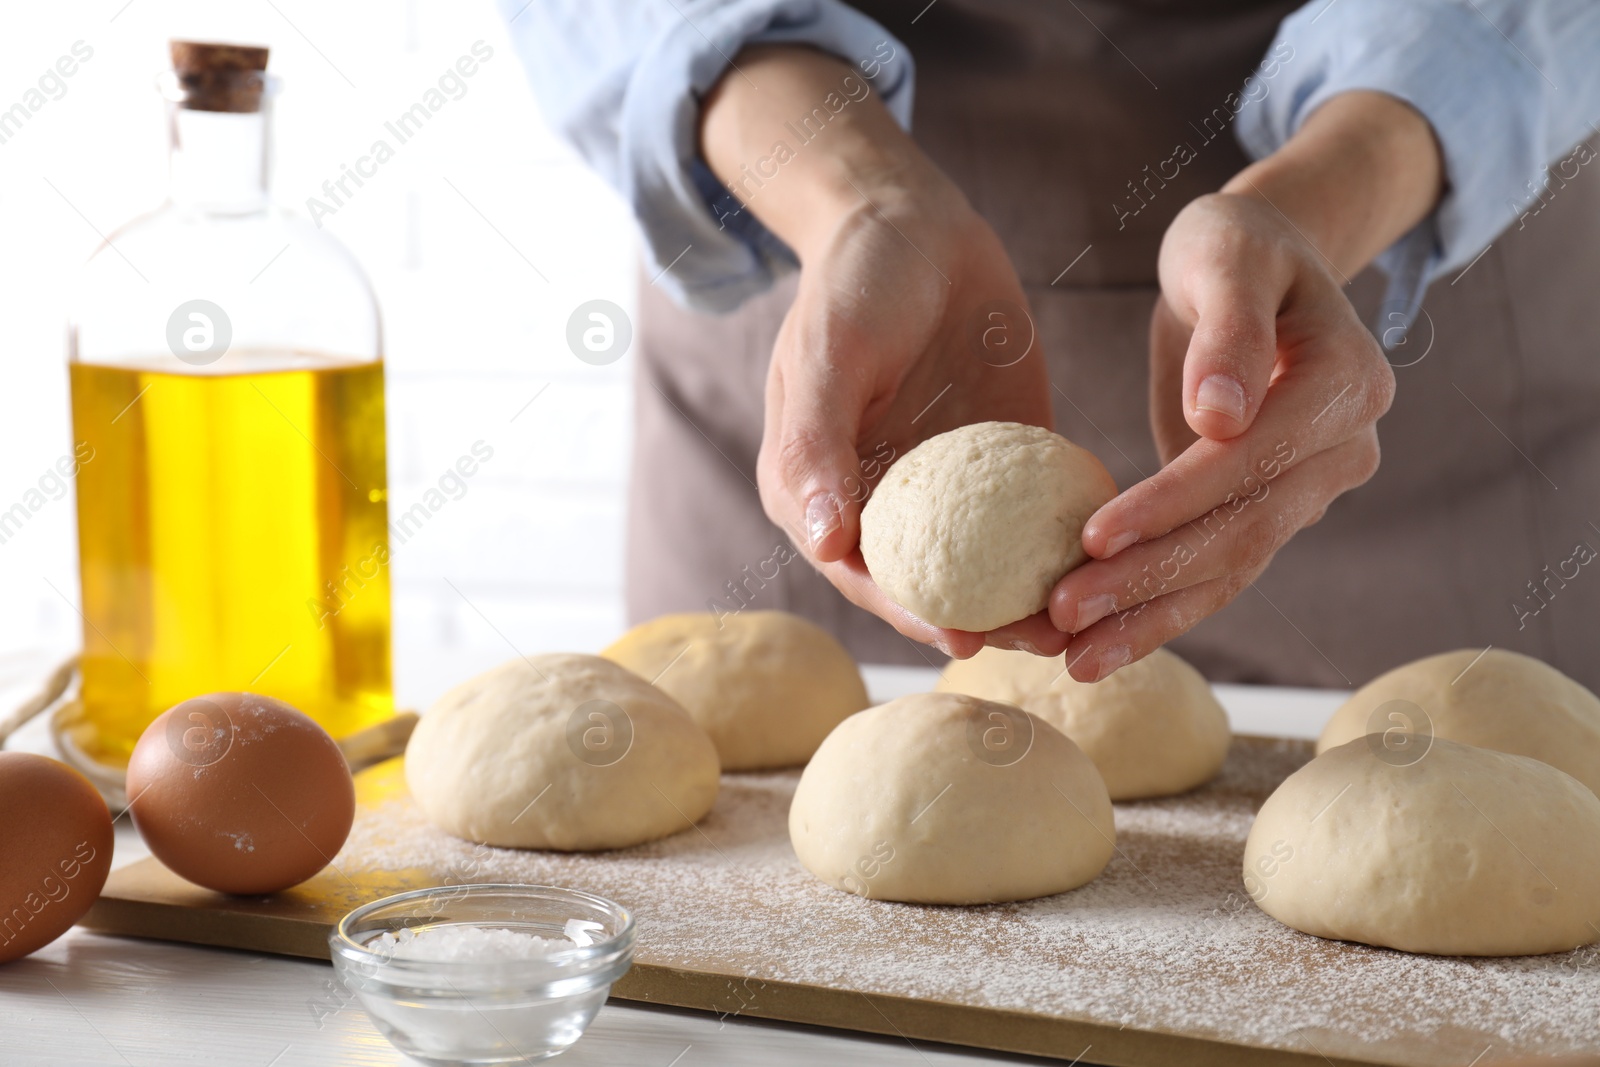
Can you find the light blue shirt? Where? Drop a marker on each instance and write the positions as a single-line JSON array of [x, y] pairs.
[[622, 81], [1509, 86]]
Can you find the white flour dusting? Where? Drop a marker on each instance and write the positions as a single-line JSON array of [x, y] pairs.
[[1165, 939]]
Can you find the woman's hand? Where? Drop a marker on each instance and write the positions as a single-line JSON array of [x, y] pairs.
[[1265, 386], [909, 321], [1266, 391], [882, 349]]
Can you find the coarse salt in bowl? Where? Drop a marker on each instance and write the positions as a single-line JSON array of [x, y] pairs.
[[483, 974]]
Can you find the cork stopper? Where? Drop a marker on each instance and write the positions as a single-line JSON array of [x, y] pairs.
[[219, 77]]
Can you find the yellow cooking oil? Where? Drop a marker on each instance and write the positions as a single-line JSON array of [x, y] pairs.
[[232, 535]]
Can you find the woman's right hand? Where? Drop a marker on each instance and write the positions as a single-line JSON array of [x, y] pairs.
[[909, 321], [877, 354]]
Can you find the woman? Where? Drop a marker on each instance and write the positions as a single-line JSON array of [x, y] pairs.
[[1051, 248]]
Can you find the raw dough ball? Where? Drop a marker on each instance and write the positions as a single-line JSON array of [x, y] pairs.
[[766, 685], [940, 798], [1466, 852], [1153, 728], [560, 751], [1505, 701], [972, 528]]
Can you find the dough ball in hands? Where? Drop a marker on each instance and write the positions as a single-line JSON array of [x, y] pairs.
[[1153, 728], [560, 751], [1463, 852], [941, 798], [1495, 699], [971, 529], [766, 685]]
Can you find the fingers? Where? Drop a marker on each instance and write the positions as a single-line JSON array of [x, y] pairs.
[[1240, 536], [1336, 387], [1134, 627], [1120, 639], [1232, 349], [1226, 286], [808, 463], [849, 575], [1035, 634]]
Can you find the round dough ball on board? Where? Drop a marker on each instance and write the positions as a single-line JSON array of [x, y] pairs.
[[971, 529], [941, 798], [1495, 699], [766, 685], [560, 751], [1464, 852], [1153, 728]]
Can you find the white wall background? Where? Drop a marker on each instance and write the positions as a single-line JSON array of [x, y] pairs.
[[472, 331]]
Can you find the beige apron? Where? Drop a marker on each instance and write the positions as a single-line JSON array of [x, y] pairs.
[[1475, 531]]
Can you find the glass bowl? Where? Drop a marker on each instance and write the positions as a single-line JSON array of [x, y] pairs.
[[506, 1010]]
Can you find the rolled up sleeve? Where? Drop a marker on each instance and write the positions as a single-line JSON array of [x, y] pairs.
[[1507, 85], [622, 82]]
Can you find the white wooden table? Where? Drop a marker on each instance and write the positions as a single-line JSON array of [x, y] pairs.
[[90, 1000]]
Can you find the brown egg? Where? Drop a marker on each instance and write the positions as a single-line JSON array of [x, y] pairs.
[[55, 850], [240, 793]]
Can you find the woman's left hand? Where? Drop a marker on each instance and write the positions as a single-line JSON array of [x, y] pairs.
[[1265, 393]]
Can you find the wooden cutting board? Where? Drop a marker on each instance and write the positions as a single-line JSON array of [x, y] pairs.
[[1161, 960]]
